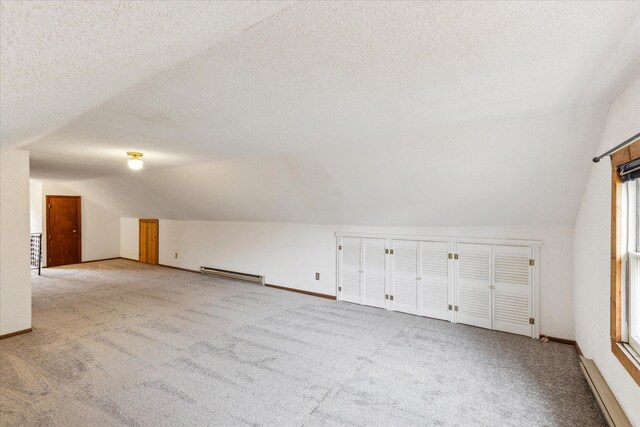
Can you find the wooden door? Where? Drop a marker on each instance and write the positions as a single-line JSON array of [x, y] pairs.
[[64, 234], [148, 241]]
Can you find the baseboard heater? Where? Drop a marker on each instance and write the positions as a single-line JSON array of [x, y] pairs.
[[607, 402], [210, 271]]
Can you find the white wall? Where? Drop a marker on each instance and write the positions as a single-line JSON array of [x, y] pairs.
[[290, 254], [100, 227], [129, 236], [15, 280], [35, 206], [592, 256], [286, 254]]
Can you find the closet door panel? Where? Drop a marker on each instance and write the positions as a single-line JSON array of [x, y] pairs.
[[512, 289], [405, 274], [473, 296], [433, 285], [375, 273], [351, 254]]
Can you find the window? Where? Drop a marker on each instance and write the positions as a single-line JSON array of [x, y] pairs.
[[625, 258], [631, 266]]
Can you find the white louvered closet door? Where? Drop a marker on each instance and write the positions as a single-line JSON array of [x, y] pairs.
[[512, 289], [473, 284], [351, 265], [405, 276], [433, 286], [375, 272]]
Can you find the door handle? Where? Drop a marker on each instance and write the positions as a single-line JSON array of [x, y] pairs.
[[75, 231]]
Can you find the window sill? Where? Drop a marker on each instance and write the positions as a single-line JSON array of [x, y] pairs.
[[627, 359]]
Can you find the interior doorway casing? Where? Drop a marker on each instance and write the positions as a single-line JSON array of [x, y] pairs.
[[64, 230], [148, 241]]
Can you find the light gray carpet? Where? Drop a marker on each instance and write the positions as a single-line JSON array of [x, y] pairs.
[[121, 343]]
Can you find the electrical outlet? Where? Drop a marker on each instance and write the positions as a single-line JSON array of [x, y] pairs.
[[176, 255], [317, 276]]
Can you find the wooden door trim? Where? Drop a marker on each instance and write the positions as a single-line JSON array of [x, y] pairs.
[[16, 333], [46, 208], [157, 245]]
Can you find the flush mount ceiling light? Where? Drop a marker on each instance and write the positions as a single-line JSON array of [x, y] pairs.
[[134, 162]]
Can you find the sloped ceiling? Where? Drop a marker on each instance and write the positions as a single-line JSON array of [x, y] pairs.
[[427, 113], [59, 59]]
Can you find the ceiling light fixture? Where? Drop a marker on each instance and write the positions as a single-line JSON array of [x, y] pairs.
[[134, 162]]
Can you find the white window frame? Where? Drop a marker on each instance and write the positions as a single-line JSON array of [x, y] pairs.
[[633, 302]]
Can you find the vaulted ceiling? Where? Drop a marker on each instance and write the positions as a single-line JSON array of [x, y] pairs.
[[425, 113]]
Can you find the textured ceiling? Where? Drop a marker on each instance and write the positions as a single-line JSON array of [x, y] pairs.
[[60, 59], [457, 113]]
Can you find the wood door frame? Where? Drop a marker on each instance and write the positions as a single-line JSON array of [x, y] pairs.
[[152, 221], [47, 207]]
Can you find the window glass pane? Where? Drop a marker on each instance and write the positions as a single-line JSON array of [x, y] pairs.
[[637, 216], [632, 290]]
